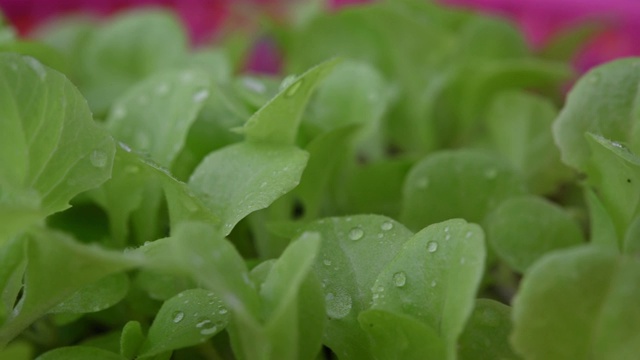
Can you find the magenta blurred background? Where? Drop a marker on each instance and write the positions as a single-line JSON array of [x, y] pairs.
[[539, 19]]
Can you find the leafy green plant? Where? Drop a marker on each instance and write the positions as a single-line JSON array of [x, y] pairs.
[[420, 190]]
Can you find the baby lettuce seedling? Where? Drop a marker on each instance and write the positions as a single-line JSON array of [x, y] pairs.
[[414, 186]]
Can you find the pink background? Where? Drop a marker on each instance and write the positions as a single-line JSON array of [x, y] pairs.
[[539, 19]]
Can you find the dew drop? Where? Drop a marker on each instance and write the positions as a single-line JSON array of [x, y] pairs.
[[124, 146], [386, 226], [399, 279], [327, 262], [432, 246], [223, 311], [468, 235], [293, 89], [209, 329], [98, 158], [202, 323], [200, 96], [448, 237], [177, 316], [356, 233], [433, 283], [338, 304]]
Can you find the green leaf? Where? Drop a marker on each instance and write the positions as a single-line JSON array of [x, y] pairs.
[[601, 226], [133, 177], [14, 262], [464, 184], [519, 126], [292, 336], [155, 115], [434, 278], [17, 350], [326, 153], [198, 250], [486, 336], [96, 296], [41, 152], [277, 121], [58, 267], [128, 49], [481, 82], [523, 229], [79, 353], [376, 188], [353, 251], [240, 179], [354, 93], [603, 102], [631, 244], [131, 339], [399, 336], [614, 173], [187, 319], [579, 304]]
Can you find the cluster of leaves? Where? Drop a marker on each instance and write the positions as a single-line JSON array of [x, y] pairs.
[[155, 204]]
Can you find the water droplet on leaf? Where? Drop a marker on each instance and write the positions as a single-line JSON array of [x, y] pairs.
[[177, 316], [386, 226], [356, 233], [200, 96], [338, 304], [399, 279], [293, 89], [432, 246], [98, 158]]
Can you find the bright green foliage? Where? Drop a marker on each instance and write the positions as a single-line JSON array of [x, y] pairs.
[[614, 172], [603, 102], [463, 183], [43, 288], [523, 229], [434, 278], [126, 50], [44, 159], [80, 353], [277, 122], [336, 210], [131, 339], [353, 251], [186, 319], [96, 296], [519, 126], [240, 179], [398, 336], [486, 336], [172, 99], [579, 304]]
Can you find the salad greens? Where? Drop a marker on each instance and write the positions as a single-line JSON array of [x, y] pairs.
[[419, 190]]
